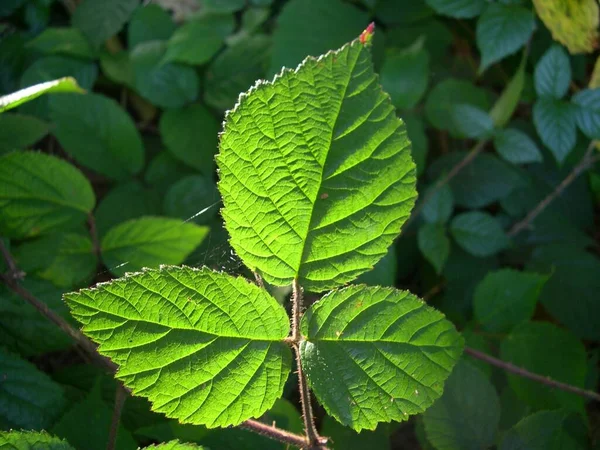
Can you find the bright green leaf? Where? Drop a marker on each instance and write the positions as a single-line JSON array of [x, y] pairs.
[[102, 19], [466, 417], [149, 23], [174, 445], [190, 134], [149, 242], [315, 172], [547, 350], [555, 122], [478, 233], [439, 205], [434, 244], [29, 398], [63, 41], [459, 9], [15, 99], [168, 85], [506, 298], [98, 133], [588, 112], [374, 354], [552, 74], [502, 30], [31, 440], [158, 324], [516, 147], [28, 207], [471, 121], [190, 196], [18, 131]]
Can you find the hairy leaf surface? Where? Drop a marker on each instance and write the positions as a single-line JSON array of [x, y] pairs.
[[376, 354], [316, 172], [204, 347]]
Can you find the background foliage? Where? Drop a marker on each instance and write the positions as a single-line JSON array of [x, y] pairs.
[[126, 179]]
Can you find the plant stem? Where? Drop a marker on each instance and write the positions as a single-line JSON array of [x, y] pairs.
[[509, 367], [275, 433], [586, 162], [120, 396]]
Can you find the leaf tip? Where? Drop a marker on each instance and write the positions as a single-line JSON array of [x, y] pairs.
[[367, 35]]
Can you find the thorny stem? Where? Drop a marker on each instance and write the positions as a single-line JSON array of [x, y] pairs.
[[120, 396], [509, 367], [586, 162], [11, 281]]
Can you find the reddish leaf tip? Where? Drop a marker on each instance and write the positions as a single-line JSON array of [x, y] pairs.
[[367, 35]]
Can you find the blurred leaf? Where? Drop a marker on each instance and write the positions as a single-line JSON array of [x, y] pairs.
[[235, 70], [516, 147], [466, 417], [434, 244], [18, 131], [164, 170], [502, 30], [440, 205], [312, 27], [472, 122], [117, 67], [555, 122], [32, 440], [190, 134], [98, 133], [224, 6], [552, 74], [22, 406], [28, 207], [508, 101], [63, 41], [415, 128], [478, 233], [459, 9], [547, 350], [437, 36], [102, 19], [506, 298], [574, 24], [175, 445], [15, 99], [7, 7], [149, 22], [168, 85], [149, 242], [588, 112], [573, 276], [384, 272], [191, 195], [405, 76], [198, 40], [345, 438]]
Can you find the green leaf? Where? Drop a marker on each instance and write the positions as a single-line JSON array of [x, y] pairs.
[[440, 205], [502, 30], [547, 350], [573, 276], [62, 41], [478, 233], [149, 23], [384, 273], [434, 244], [345, 438], [552, 74], [588, 112], [84, 425], [40, 194], [391, 12], [18, 131], [149, 242], [190, 134], [459, 9], [98, 133], [555, 122], [9, 6], [198, 40], [167, 85], [164, 170], [175, 445], [516, 147], [235, 70], [22, 405], [23, 329], [65, 259], [157, 324], [117, 67], [374, 354], [405, 76], [295, 189], [547, 430], [67, 84], [472, 122], [444, 96], [193, 198], [31, 440], [312, 27], [415, 129], [508, 101], [506, 298], [102, 19], [224, 6], [466, 417]]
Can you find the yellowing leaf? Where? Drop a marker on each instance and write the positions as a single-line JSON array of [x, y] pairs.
[[573, 23]]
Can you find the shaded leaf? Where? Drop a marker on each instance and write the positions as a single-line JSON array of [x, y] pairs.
[[555, 122], [440, 204], [149, 23], [18, 131], [193, 198], [405, 76], [552, 74], [471, 121], [345, 438], [478, 233], [434, 244], [588, 112], [102, 19], [516, 147], [63, 41], [460, 9]]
